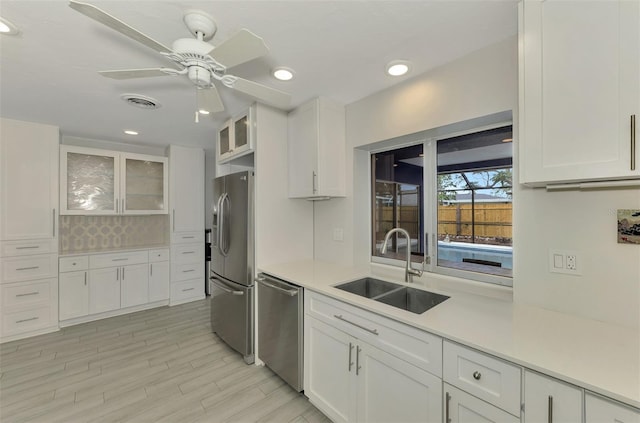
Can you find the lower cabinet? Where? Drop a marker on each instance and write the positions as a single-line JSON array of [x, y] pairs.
[[601, 410], [461, 407], [74, 294], [548, 399], [158, 281], [134, 285], [104, 290]]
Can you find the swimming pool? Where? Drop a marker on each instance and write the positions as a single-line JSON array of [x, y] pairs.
[[456, 251]]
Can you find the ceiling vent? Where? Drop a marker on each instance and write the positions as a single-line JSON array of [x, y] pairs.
[[140, 101]]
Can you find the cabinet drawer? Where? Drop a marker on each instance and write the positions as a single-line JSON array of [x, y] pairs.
[[188, 253], [158, 255], [18, 295], [486, 377], [410, 344], [30, 267], [28, 248], [182, 272], [461, 407], [27, 320], [599, 410], [70, 264], [118, 259], [188, 289], [187, 238]]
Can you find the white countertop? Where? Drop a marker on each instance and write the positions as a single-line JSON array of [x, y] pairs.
[[114, 250], [601, 357]]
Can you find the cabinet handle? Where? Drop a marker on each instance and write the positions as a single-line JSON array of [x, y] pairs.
[[122, 208], [447, 419], [28, 294], [118, 274], [188, 289], [174, 220], [27, 320], [151, 269], [85, 278], [123, 273], [27, 248], [117, 206], [120, 259], [188, 252], [358, 349], [187, 271], [188, 237], [313, 181], [477, 375], [350, 350], [54, 223], [339, 317], [633, 142], [550, 410], [28, 268]]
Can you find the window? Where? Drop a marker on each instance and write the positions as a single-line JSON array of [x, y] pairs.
[[469, 208]]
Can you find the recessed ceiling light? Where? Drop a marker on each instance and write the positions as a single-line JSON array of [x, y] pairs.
[[203, 112], [283, 74], [398, 67], [7, 27], [130, 132]]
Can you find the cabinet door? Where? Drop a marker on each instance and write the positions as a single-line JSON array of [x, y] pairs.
[[600, 410], [460, 407], [89, 181], [392, 390], [547, 399], [303, 150], [186, 185], [144, 184], [579, 79], [224, 141], [104, 290], [73, 295], [329, 365], [134, 285], [28, 180], [158, 281]]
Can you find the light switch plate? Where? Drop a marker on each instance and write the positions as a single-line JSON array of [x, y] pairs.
[[563, 261]]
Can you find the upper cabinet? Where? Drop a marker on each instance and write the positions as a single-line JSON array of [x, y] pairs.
[[579, 90], [105, 182], [237, 137], [28, 180], [187, 190], [316, 144]]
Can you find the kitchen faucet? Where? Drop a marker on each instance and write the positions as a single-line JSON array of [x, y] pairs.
[[408, 271]]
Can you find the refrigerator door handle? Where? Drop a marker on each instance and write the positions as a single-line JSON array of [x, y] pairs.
[[225, 213], [224, 287], [220, 224]]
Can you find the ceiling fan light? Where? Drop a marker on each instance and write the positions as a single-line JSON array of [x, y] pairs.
[[398, 67], [283, 74], [203, 112], [130, 132], [7, 27]]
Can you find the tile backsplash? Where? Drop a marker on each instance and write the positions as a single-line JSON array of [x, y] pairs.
[[97, 233]]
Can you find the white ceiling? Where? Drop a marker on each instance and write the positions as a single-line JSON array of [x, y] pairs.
[[338, 49]]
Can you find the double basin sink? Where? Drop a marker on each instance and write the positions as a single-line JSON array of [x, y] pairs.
[[405, 298]]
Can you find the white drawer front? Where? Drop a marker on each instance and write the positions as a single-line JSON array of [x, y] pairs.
[[188, 238], [28, 248], [21, 294], [187, 289], [188, 253], [183, 272], [415, 346], [70, 264], [99, 261], [486, 377], [17, 269], [158, 255], [26, 320]]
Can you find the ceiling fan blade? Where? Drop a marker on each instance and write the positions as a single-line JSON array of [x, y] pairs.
[[114, 23], [241, 47], [208, 99], [263, 93], [133, 73]]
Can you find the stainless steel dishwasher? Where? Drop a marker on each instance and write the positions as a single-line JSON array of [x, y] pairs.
[[280, 328]]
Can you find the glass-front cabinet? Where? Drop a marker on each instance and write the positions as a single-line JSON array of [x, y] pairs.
[[236, 137], [104, 182]]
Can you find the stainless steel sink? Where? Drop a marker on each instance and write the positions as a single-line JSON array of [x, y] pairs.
[[368, 287], [411, 299]]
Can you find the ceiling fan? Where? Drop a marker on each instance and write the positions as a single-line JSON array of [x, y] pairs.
[[203, 63]]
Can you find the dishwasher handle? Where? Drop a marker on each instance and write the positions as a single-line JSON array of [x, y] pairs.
[[289, 292], [224, 287]]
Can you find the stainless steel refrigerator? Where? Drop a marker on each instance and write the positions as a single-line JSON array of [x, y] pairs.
[[232, 262]]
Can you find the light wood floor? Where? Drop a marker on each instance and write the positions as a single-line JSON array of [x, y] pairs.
[[160, 365]]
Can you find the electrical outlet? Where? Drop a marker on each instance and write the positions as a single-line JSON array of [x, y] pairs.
[[571, 262], [566, 262]]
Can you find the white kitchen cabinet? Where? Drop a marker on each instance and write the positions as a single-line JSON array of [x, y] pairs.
[[237, 136], [74, 294], [104, 290], [601, 410], [579, 90], [461, 407], [548, 399], [28, 181], [105, 182], [134, 285], [158, 275], [316, 150]]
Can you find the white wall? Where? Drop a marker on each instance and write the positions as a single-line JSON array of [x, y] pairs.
[[483, 83]]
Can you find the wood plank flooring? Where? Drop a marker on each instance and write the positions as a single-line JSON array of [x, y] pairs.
[[160, 365]]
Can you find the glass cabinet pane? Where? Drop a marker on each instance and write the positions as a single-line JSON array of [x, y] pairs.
[[241, 127], [90, 182], [224, 140], [144, 185]]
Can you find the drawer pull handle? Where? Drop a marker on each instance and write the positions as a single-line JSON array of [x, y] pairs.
[[188, 289], [27, 248], [28, 268], [28, 294], [447, 419], [550, 410], [187, 271], [27, 320], [339, 317], [188, 252], [188, 237], [120, 259], [477, 375], [350, 350]]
